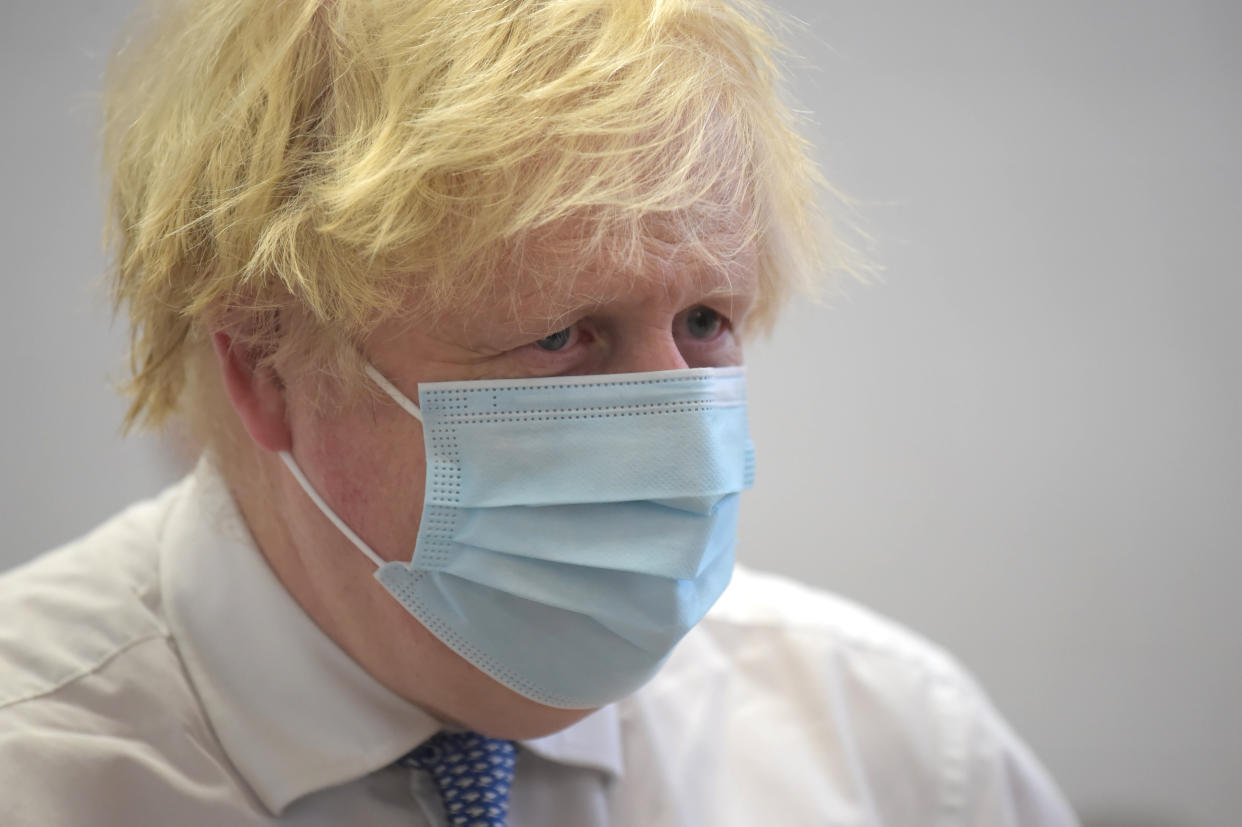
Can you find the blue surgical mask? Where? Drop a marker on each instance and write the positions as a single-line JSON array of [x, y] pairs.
[[574, 528]]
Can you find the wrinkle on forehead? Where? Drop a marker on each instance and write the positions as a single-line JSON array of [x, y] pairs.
[[565, 271]]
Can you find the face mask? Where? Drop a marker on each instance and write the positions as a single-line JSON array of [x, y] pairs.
[[575, 528]]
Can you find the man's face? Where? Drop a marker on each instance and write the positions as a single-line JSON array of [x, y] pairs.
[[368, 461]]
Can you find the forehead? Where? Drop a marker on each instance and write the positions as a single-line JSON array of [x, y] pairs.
[[569, 269], [566, 270]]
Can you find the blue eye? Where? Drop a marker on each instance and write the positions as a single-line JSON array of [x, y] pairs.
[[556, 341], [703, 323]]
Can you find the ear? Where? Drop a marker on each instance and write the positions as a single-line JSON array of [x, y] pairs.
[[257, 394]]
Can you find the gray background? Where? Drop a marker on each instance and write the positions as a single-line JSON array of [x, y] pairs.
[[1023, 441]]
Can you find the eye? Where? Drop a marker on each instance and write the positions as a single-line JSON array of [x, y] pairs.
[[703, 323], [556, 341]]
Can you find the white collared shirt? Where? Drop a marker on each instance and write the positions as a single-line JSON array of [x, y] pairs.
[[156, 672]]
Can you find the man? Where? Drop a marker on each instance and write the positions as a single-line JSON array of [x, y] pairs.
[[454, 294]]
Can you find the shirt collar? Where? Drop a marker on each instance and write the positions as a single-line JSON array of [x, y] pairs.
[[292, 710]]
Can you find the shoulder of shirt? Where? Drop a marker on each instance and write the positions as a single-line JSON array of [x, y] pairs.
[[868, 709], [762, 600], [76, 608]]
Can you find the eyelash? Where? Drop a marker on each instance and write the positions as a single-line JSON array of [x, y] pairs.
[[570, 336]]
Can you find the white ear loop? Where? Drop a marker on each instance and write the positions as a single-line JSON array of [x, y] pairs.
[[410, 408], [327, 510], [392, 390]]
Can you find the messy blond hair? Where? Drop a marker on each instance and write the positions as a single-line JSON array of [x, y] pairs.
[[317, 160]]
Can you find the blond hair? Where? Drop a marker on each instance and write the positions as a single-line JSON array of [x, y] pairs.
[[320, 159]]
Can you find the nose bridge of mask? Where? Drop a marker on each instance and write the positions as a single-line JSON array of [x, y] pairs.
[[669, 437]]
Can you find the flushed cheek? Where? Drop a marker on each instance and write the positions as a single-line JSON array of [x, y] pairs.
[[373, 473]]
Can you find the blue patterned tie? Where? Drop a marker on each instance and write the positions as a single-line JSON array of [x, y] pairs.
[[472, 772]]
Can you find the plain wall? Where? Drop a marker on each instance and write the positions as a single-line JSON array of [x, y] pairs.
[[1023, 440]]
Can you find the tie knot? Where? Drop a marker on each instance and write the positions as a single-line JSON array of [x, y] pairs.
[[472, 772]]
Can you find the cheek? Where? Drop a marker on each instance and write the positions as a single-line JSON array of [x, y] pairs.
[[373, 472]]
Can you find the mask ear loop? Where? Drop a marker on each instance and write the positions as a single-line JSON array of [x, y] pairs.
[[392, 390], [292, 465], [410, 408]]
